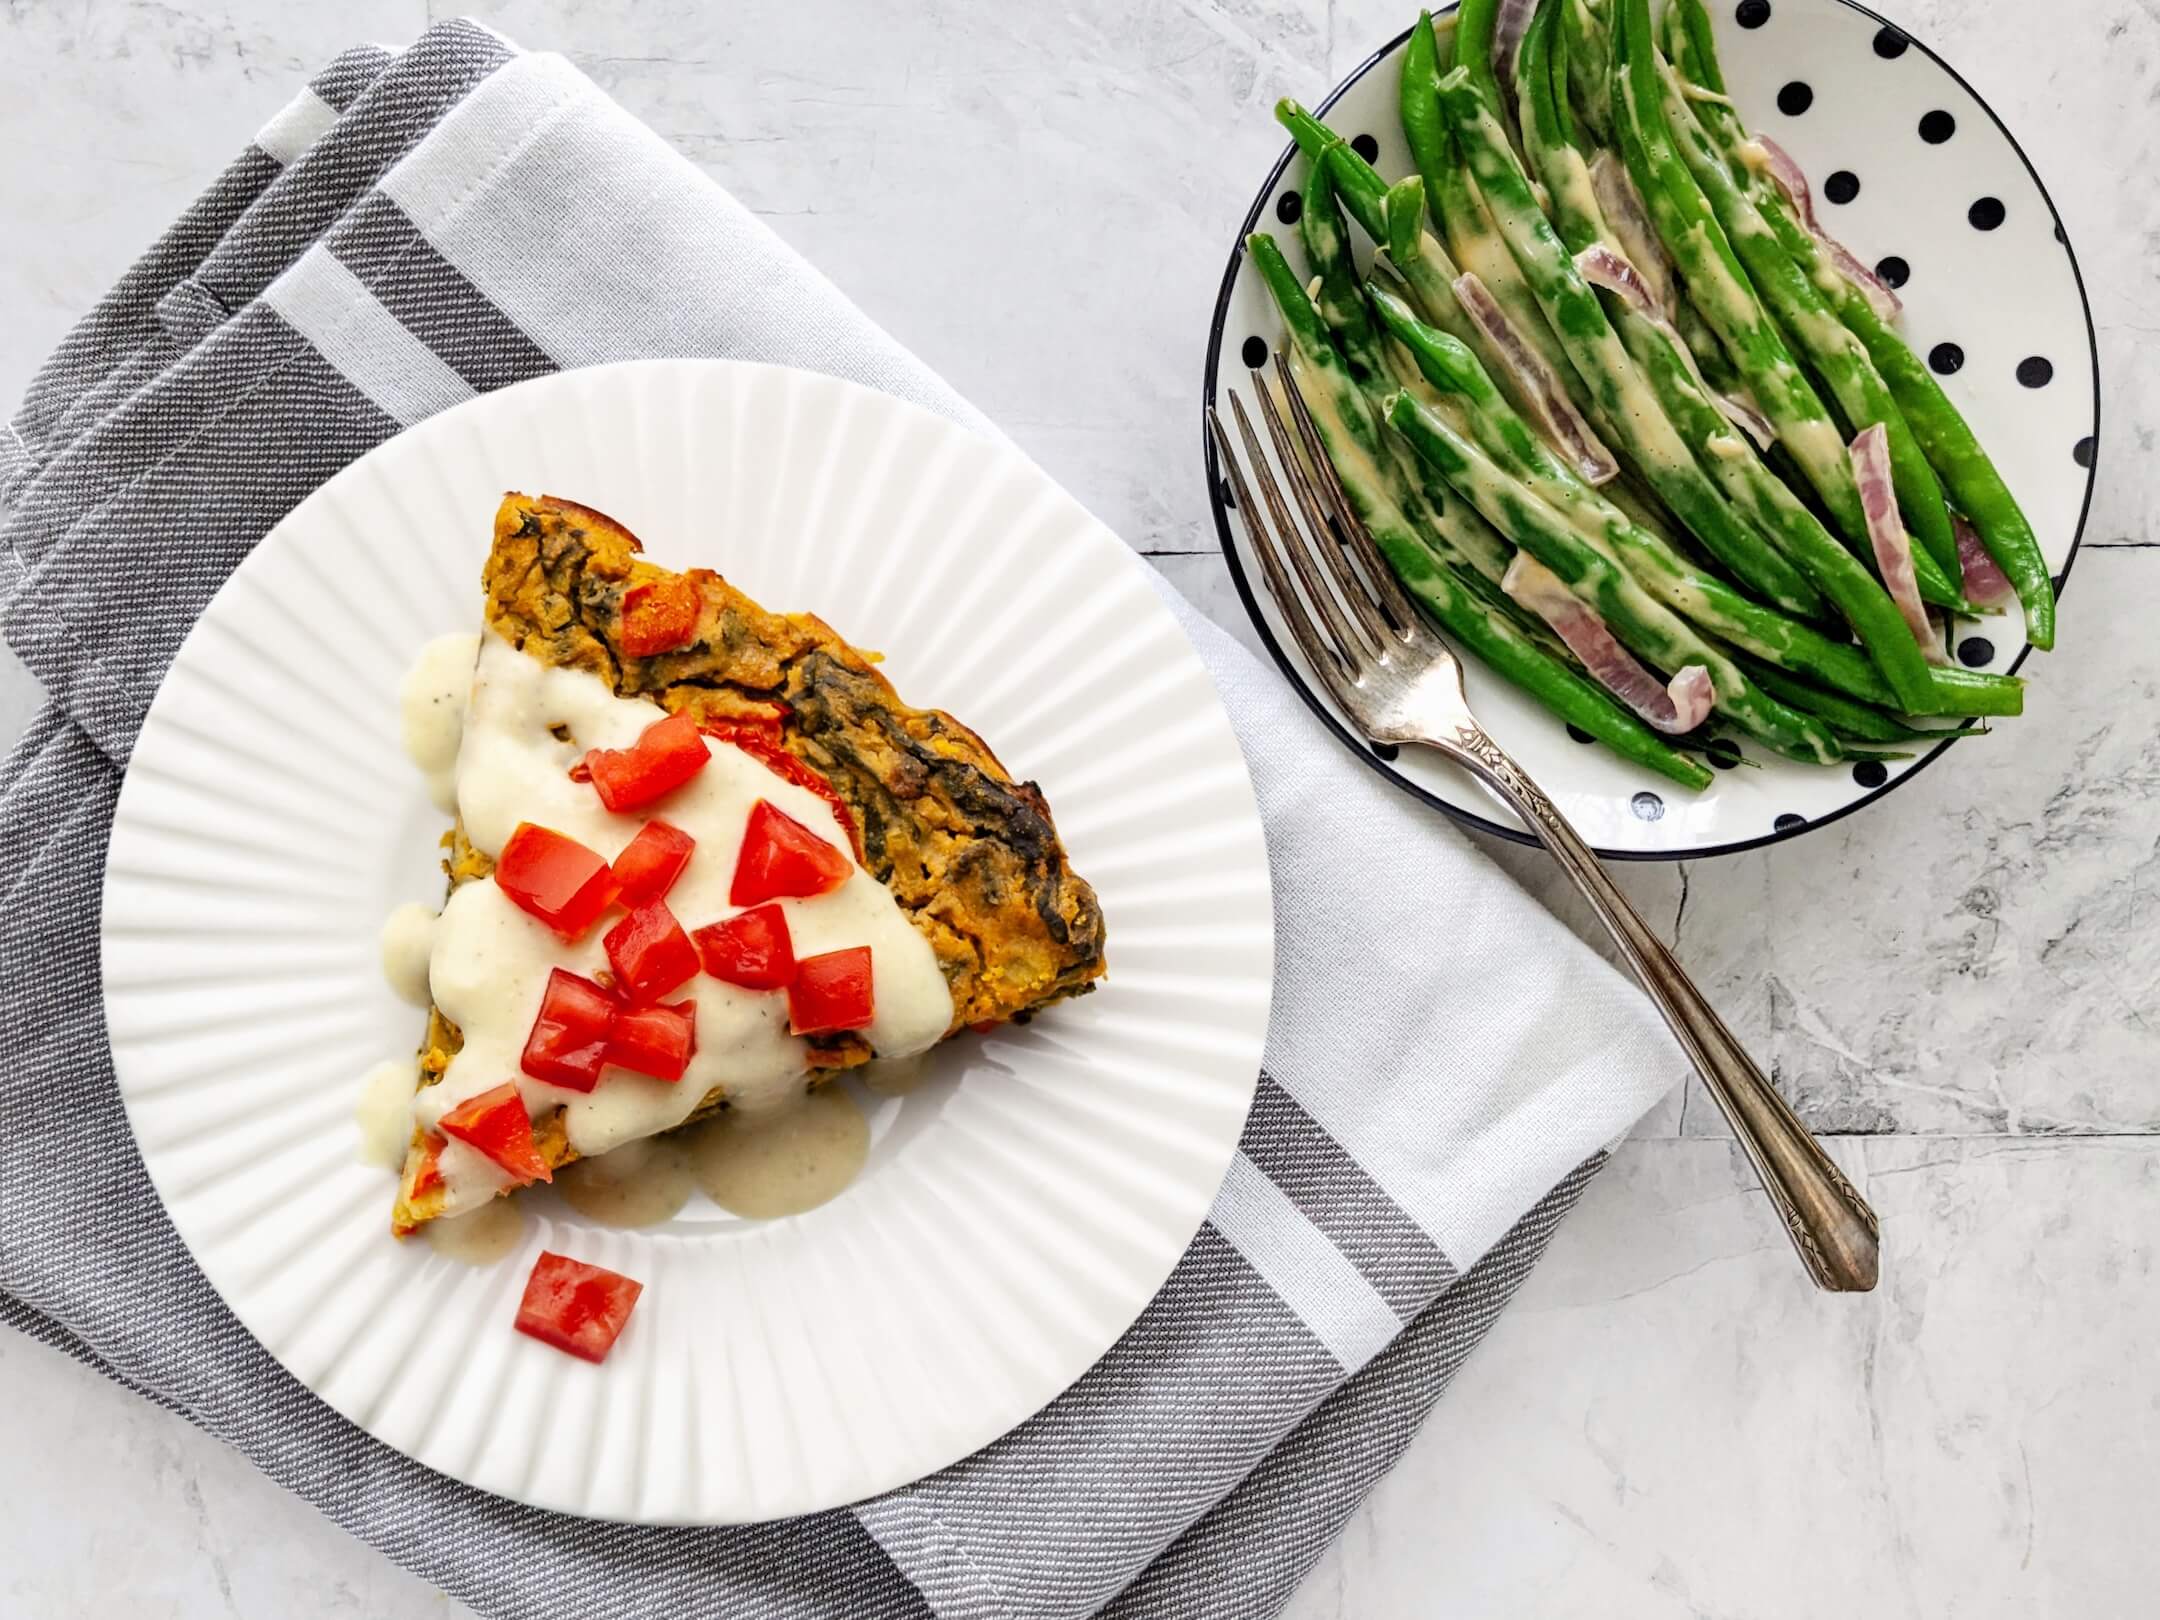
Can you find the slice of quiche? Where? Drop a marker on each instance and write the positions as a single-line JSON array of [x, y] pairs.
[[704, 856]]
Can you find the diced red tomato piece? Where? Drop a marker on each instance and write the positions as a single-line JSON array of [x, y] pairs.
[[762, 743], [496, 1123], [569, 1039], [576, 1307], [658, 616], [665, 756], [651, 953], [782, 859], [831, 992], [658, 1041], [555, 878], [751, 948], [652, 861], [428, 1175]]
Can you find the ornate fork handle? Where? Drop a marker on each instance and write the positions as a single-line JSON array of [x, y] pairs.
[[1829, 1223]]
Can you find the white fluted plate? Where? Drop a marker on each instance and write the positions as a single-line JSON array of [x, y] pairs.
[[1016, 1213]]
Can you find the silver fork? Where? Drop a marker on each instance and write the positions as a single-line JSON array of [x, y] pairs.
[[1400, 683]]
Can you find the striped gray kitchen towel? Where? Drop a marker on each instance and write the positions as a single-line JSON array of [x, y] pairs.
[[1444, 1066]]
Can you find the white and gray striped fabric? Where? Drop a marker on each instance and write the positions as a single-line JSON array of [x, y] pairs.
[[411, 231]]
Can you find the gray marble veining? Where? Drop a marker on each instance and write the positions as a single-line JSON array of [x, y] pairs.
[[1964, 981]]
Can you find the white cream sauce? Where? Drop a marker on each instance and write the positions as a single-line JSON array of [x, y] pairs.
[[784, 1160], [490, 960], [480, 1236], [385, 1112], [407, 939], [431, 701]]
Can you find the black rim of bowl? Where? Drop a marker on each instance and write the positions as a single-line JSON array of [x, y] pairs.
[[1363, 749]]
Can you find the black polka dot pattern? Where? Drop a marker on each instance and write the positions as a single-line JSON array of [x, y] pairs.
[[1945, 358], [1647, 806], [1254, 353], [1937, 127], [1842, 187], [1976, 652], [1895, 272], [1869, 773], [2036, 371], [1795, 98], [1722, 752], [1365, 147], [1387, 751], [1289, 208], [1890, 44], [1751, 13], [2064, 240], [1579, 734], [1986, 214], [2082, 451], [1789, 822]]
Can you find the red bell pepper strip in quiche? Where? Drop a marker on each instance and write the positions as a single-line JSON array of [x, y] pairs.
[[831, 992], [576, 1307], [555, 878], [658, 617], [496, 1123], [569, 1040], [652, 861], [666, 755], [751, 948], [658, 1041], [650, 952], [782, 859], [762, 743]]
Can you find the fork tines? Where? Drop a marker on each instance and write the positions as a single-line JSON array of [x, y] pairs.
[[1344, 608]]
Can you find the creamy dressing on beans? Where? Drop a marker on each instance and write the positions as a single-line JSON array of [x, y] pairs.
[[488, 962]]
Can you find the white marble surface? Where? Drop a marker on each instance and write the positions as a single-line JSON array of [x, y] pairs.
[[1964, 983]]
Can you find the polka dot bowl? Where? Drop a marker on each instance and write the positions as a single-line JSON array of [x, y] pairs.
[[1918, 177]]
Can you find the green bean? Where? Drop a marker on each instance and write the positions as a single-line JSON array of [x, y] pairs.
[[1588, 59], [1942, 432], [1474, 20], [1622, 394], [1427, 269], [1450, 526], [1352, 439], [1703, 598], [1721, 449], [1637, 619], [1837, 356], [1721, 291], [1460, 213], [1845, 716]]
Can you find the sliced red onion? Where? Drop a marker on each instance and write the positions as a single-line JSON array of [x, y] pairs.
[[1870, 457], [1511, 20], [1985, 584], [1742, 413], [1603, 266], [1562, 424], [1680, 705], [1633, 234], [1792, 180]]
